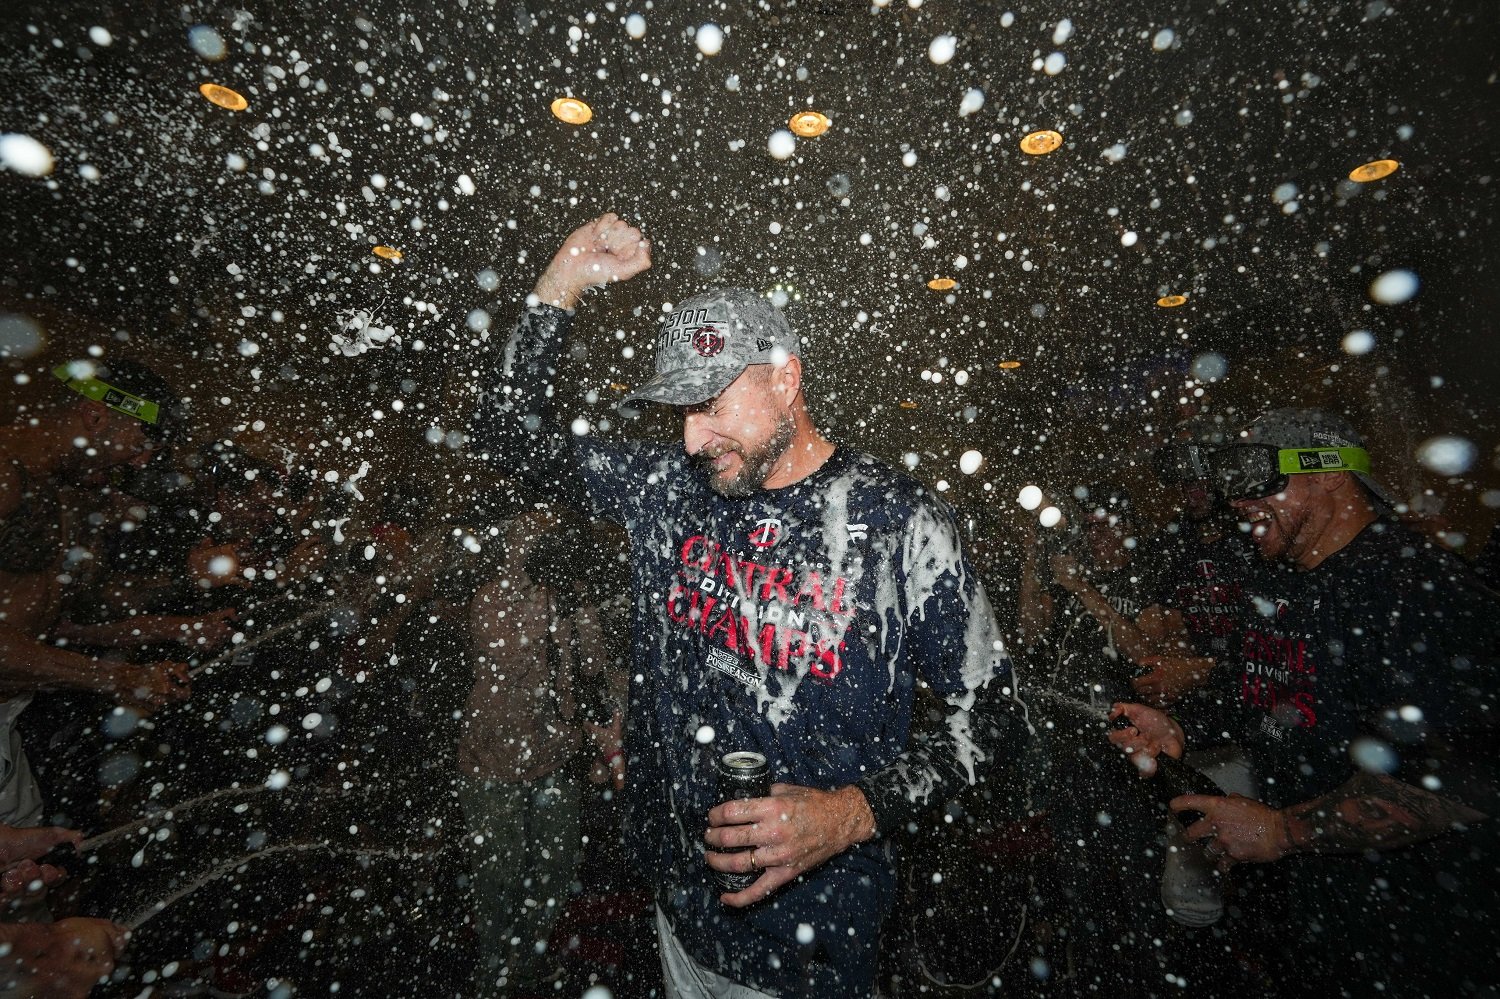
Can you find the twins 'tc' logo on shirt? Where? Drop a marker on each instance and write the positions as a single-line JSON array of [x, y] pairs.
[[707, 341], [767, 533]]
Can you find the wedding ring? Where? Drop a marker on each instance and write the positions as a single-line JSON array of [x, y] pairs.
[[754, 864]]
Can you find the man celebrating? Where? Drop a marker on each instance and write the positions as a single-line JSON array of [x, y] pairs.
[[1366, 702], [789, 593], [118, 422]]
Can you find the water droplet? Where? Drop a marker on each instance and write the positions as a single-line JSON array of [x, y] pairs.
[[206, 42], [24, 155], [710, 39], [941, 49], [1394, 287], [1447, 455]]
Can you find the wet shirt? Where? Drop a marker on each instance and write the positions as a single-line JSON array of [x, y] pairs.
[[1389, 640], [1206, 583], [795, 623], [1383, 659]]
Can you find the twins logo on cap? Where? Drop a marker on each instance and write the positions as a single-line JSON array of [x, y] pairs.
[[704, 343], [707, 341]]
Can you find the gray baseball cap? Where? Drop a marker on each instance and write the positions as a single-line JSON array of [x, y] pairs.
[[706, 342], [1313, 428]]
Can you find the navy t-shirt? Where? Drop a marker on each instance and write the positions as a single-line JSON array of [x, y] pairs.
[[1382, 660]]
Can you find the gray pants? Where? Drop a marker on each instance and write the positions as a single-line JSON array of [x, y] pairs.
[[686, 978], [524, 847]]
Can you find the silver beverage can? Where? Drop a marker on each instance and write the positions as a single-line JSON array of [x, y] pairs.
[[742, 774]]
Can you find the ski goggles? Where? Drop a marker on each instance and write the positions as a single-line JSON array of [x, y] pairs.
[[1254, 471], [1178, 462], [117, 399]]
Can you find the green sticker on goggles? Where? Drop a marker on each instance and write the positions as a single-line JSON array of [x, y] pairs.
[[116, 399], [1296, 461]]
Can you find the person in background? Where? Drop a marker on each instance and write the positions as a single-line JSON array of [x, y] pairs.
[[122, 415], [1364, 692], [521, 755]]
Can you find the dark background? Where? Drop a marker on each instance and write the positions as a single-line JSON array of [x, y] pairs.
[[174, 255]]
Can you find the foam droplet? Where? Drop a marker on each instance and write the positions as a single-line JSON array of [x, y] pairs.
[[1447, 454], [710, 39], [24, 155], [1394, 287], [941, 49]]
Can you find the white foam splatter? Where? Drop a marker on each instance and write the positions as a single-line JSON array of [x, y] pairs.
[[24, 155], [1394, 287], [710, 39], [1447, 454], [1164, 39], [973, 100], [941, 49], [635, 26], [1359, 342], [782, 144]]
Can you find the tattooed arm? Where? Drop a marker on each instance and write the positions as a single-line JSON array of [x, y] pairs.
[[1366, 812], [1372, 812]]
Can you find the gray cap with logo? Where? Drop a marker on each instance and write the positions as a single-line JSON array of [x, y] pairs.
[[706, 342], [1312, 428]]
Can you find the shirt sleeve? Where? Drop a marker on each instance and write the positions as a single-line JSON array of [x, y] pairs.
[[519, 430], [955, 641]]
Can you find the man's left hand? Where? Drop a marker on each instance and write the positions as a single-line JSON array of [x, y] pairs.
[[1235, 829], [792, 831]]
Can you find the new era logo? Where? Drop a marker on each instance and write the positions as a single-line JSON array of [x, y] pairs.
[[763, 345], [1319, 459]]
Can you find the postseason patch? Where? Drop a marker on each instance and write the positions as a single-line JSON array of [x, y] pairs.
[[732, 666]]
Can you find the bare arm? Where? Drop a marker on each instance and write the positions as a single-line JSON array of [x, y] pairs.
[[27, 664], [151, 629], [1366, 812], [1373, 812], [1034, 614]]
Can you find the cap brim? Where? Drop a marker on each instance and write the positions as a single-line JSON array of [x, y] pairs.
[[683, 387], [1380, 492]]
